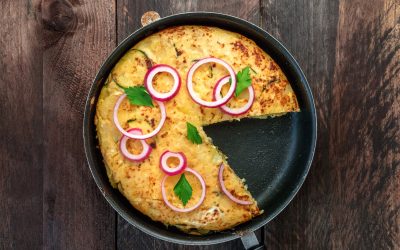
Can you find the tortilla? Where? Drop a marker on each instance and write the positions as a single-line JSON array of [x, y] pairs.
[[140, 182]]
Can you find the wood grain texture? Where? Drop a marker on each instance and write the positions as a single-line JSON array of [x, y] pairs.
[[349, 51], [128, 20], [130, 12], [365, 126], [21, 126], [77, 35], [308, 30], [50, 51]]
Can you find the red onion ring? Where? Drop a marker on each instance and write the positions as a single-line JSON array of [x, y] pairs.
[[227, 193], [124, 150], [194, 95], [148, 82], [185, 210], [173, 171], [135, 136], [225, 108]]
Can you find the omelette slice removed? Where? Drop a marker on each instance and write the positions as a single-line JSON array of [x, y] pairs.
[[140, 182]]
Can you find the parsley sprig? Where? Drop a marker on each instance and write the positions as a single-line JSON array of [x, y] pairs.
[[243, 80], [193, 134], [138, 95], [183, 190]]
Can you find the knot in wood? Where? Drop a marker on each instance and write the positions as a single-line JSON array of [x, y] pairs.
[[58, 15]]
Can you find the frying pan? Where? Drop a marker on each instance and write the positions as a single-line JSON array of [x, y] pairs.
[[273, 155]]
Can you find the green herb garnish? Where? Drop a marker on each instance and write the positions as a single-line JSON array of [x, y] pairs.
[[193, 134], [243, 80], [138, 95], [183, 190]]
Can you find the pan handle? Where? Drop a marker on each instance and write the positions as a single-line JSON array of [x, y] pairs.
[[250, 242]]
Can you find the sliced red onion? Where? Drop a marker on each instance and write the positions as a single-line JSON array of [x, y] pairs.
[[178, 169], [226, 192], [148, 82], [225, 108], [124, 150], [195, 96], [185, 210], [137, 136]]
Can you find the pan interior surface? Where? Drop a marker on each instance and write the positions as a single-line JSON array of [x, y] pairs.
[[273, 155], [266, 153]]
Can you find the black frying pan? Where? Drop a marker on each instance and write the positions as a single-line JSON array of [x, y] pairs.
[[273, 155]]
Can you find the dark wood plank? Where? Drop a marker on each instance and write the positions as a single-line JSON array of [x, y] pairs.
[[130, 12], [21, 125], [78, 36], [308, 30], [128, 20], [349, 51], [365, 126], [350, 54]]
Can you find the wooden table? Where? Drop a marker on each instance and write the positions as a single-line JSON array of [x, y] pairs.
[[51, 50]]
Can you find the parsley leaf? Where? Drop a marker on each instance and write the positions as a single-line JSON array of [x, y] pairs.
[[138, 95], [193, 134], [243, 80], [183, 190]]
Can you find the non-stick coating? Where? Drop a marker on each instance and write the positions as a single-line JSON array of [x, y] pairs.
[[273, 155]]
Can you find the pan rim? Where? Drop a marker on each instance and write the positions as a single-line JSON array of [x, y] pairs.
[[226, 236]]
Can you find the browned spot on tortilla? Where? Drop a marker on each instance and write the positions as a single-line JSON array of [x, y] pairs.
[[127, 174], [244, 197], [285, 99], [152, 123], [273, 66], [239, 46], [273, 79], [258, 57]]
